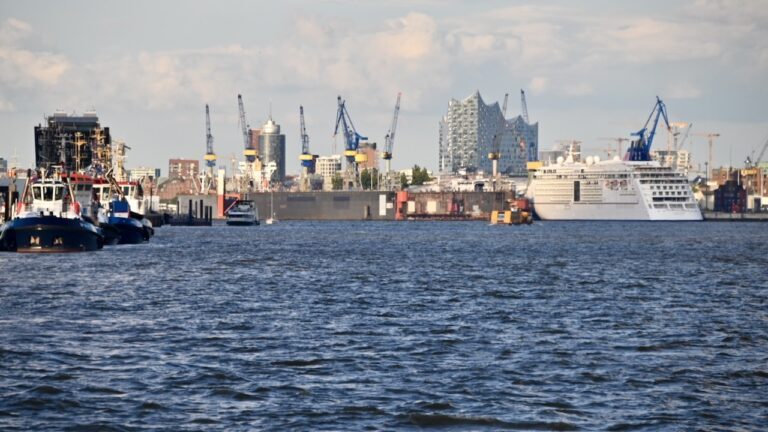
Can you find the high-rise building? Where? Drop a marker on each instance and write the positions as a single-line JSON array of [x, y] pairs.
[[183, 168], [3, 167], [73, 142], [272, 149], [467, 132]]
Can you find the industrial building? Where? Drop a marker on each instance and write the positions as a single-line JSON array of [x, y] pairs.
[[272, 151], [73, 142], [467, 134]]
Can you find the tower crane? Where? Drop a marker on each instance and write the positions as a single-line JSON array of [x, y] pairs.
[[618, 141], [640, 149], [495, 153], [307, 159], [389, 141], [351, 140], [710, 140], [210, 156], [524, 106]]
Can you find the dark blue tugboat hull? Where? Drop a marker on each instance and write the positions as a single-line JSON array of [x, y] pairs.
[[131, 230], [51, 234]]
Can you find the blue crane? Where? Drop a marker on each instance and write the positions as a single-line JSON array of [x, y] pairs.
[[307, 159], [351, 136], [640, 149], [210, 156]]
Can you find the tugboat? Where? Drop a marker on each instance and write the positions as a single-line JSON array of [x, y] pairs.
[[48, 219], [243, 212]]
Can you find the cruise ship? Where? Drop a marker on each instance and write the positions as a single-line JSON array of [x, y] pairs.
[[612, 190]]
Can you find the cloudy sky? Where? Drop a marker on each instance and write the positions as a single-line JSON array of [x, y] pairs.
[[590, 69]]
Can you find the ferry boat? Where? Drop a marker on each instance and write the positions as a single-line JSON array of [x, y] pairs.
[[243, 212], [612, 190], [48, 219], [636, 188]]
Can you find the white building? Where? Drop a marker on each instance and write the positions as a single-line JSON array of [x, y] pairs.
[[328, 167], [137, 174]]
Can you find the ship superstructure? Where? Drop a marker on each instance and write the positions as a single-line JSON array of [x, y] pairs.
[[612, 190]]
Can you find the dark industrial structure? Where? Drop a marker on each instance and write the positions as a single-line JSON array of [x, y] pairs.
[[73, 142]]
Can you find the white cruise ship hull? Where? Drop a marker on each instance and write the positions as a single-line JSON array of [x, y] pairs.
[[582, 211]]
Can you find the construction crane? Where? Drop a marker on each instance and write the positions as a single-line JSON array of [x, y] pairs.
[[351, 140], [711, 141], [389, 142], [250, 153], [678, 145], [640, 149], [495, 153], [523, 104], [210, 156], [307, 159], [618, 141]]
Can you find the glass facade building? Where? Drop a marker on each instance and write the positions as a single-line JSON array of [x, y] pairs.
[[466, 138]]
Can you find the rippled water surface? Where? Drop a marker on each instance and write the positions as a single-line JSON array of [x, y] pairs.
[[355, 326]]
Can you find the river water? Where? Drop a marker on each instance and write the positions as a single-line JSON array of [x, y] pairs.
[[384, 325]]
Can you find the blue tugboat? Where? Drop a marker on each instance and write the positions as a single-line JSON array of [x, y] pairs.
[[48, 219], [131, 230]]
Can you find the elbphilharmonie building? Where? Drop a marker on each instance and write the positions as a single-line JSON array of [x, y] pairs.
[[466, 138]]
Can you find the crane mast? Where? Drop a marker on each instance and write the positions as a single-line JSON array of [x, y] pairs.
[[524, 106], [307, 159], [210, 156], [496, 144], [389, 142], [250, 153]]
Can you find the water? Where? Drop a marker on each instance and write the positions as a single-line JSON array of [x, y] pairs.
[[355, 326]]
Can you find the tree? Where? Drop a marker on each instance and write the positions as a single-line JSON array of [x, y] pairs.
[[403, 181], [420, 175], [337, 182], [369, 179]]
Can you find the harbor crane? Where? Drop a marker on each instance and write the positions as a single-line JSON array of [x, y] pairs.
[[640, 149], [389, 142], [711, 141], [523, 104], [249, 152], [618, 141], [307, 159], [351, 141], [210, 156], [495, 153]]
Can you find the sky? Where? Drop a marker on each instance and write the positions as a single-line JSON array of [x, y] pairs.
[[590, 69]]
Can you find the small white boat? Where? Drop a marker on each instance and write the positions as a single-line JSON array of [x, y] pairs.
[[243, 212]]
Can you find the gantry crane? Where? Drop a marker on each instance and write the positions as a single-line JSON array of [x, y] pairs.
[[640, 149], [389, 142], [495, 153], [351, 141], [307, 159], [210, 156]]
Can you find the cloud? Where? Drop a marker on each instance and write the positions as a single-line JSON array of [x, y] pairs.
[[6, 106], [538, 85], [20, 67], [684, 90]]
